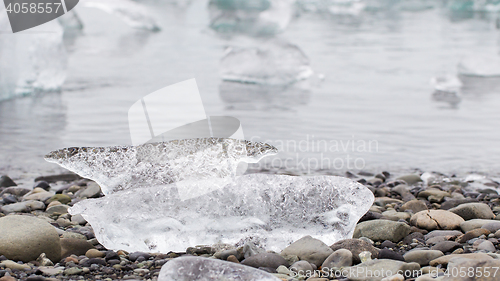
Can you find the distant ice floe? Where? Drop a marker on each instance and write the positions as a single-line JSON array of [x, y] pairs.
[[482, 66], [271, 63], [447, 88], [357, 7], [259, 18], [134, 14], [473, 5], [31, 62]]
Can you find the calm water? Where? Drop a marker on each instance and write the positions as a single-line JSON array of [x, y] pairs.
[[373, 109]]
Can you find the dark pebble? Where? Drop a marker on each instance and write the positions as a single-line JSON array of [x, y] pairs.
[[112, 255], [455, 202], [446, 246], [113, 262], [135, 255], [5, 181], [265, 260], [91, 261], [415, 235], [389, 254], [9, 199], [42, 184], [387, 244], [370, 216], [2, 258], [2, 272]]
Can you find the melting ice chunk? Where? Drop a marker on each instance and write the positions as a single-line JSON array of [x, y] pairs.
[[126, 167], [205, 269], [134, 14], [273, 209], [273, 63]]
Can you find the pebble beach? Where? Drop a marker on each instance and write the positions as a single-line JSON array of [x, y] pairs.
[[421, 227]]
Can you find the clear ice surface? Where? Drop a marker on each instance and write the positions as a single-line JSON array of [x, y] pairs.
[[473, 5], [272, 210], [190, 160], [132, 13], [35, 62], [272, 63], [205, 269]]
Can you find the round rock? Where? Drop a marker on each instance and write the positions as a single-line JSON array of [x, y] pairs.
[[380, 230], [24, 238], [436, 219], [470, 211]]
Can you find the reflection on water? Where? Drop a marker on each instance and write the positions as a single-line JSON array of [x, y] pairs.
[[377, 65], [262, 97], [475, 86], [30, 127]]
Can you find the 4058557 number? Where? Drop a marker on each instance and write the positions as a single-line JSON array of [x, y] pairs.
[[33, 8]]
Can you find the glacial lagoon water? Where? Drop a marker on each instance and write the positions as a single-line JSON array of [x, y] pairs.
[[369, 104]]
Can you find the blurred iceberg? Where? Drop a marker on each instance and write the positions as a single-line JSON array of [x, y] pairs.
[[31, 62], [447, 89], [134, 14], [473, 5], [480, 65], [274, 210], [271, 63], [254, 17]]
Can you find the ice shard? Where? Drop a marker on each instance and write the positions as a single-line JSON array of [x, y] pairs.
[[274, 210], [190, 268], [272, 63], [126, 167]]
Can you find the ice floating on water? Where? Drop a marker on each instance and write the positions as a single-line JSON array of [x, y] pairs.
[[446, 83], [132, 13], [273, 209], [261, 17], [272, 63], [474, 5], [126, 167], [205, 269], [34, 62], [356, 7], [484, 66]]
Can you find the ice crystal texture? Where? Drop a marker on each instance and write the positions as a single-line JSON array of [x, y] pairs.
[[190, 160], [273, 63], [274, 210], [205, 269]]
